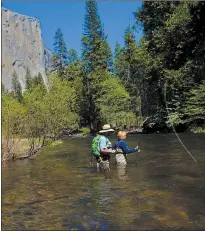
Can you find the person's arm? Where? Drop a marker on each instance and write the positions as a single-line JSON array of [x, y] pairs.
[[124, 147], [114, 146], [103, 146]]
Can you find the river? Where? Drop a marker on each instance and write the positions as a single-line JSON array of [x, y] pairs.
[[160, 188]]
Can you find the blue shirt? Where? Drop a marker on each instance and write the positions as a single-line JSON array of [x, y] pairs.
[[122, 144], [104, 143]]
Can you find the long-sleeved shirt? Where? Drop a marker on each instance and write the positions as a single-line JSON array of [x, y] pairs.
[[122, 144], [104, 143]]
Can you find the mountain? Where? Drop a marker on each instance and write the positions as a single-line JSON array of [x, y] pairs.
[[22, 47]]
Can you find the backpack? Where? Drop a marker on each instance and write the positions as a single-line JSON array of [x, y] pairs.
[[95, 146]]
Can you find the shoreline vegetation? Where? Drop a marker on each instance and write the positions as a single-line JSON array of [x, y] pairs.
[[22, 148], [145, 87]]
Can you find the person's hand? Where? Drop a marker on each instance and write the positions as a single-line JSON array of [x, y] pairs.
[[137, 148], [113, 151]]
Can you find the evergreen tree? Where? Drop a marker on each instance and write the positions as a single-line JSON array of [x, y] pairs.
[[16, 87], [74, 68], [128, 70], [28, 78], [118, 60], [96, 51], [97, 59], [59, 60], [152, 16], [2, 88], [72, 56], [194, 107], [174, 33], [37, 81], [40, 78]]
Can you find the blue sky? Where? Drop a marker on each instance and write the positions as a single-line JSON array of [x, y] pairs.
[[69, 16]]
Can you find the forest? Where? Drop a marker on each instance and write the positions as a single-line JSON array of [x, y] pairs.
[[161, 77]]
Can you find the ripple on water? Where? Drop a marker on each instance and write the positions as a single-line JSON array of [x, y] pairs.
[[86, 222], [59, 190]]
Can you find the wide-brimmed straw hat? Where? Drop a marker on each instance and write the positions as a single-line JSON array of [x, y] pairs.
[[106, 128]]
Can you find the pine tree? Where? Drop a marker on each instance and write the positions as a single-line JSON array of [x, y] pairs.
[[37, 80], [96, 51], [174, 33], [118, 60], [128, 70], [2, 88], [97, 59], [194, 107], [16, 87], [72, 56], [59, 60], [28, 78]]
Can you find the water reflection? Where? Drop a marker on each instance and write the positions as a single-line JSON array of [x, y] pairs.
[[121, 172], [160, 188]]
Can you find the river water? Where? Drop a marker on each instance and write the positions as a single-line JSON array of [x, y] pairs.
[[160, 188]]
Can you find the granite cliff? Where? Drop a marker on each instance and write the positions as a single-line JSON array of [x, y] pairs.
[[22, 47]]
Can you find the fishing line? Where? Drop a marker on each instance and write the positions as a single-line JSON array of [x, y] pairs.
[[174, 128]]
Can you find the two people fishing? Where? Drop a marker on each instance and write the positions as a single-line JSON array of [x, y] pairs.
[[102, 149]]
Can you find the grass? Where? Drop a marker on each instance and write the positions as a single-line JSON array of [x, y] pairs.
[[199, 130], [57, 142], [85, 130], [20, 148]]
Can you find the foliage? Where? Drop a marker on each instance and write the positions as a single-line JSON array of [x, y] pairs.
[[60, 47], [97, 60], [152, 16], [114, 103], [173, 32], [60, 108], [96, 52], [164, 71], [2, 88], [72, 56], [85, 130], [91, 92], [28, 78], [74, 70], [59, 60], [13, 116], [118, 56], [13, 119], [34, 103], [195, 103], [16, 87], [199, 130], [34, 81]]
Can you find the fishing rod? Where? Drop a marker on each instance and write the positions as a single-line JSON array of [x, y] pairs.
[[174, 127], [139, 143]]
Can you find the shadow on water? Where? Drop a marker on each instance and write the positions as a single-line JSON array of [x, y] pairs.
[[160, 188]]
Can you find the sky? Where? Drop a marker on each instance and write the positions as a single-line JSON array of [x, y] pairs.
[[69, 16]]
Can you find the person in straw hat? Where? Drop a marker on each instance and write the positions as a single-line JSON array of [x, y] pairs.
[[105, 148]]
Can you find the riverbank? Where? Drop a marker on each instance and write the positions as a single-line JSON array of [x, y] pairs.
[[21, 148], [13, 149], [198, 130]]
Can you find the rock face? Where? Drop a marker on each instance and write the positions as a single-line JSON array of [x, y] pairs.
[[48, 53], [22, 47]]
